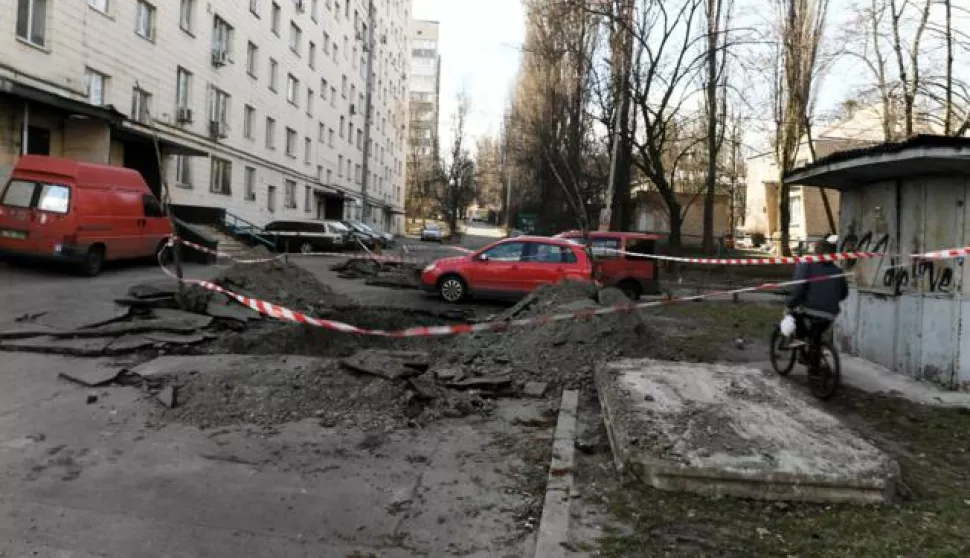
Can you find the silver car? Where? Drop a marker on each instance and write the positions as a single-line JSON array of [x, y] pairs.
[[432, 232]]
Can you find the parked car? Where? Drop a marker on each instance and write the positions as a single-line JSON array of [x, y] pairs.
[[432, 232], [635, 276], [307, 236], [387, 239], [509, 268], [361, 234], [514, 233], [83, 213]]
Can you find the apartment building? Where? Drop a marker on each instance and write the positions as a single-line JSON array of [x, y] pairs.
[[425, 87], [265, 109]]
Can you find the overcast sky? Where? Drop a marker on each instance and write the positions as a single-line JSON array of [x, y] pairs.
[[480, 46]]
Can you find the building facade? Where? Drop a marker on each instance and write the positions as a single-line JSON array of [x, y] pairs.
[[265, 109], [425, 88]]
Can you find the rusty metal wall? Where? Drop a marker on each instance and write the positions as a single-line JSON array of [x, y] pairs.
[[908, 315]]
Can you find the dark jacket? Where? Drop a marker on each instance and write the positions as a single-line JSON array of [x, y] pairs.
[[819, 298]]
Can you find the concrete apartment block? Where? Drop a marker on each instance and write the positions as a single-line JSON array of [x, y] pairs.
[[260, 106]]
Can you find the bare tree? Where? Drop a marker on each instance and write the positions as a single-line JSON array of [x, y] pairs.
[[455, 184], [719, 14], [799, 32]]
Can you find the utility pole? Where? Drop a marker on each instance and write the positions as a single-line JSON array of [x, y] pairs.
[[368, 37], [621, 101], [508, 174]]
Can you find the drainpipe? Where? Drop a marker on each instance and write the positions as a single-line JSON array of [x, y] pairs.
[[24, 136]]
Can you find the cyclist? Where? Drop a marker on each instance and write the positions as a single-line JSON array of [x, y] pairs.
[[815, 303]]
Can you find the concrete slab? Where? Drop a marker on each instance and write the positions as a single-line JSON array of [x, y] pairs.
[[169, 366], [554, 525], [90, 346], [91, 373], [197, 321], [734, 430], [93, 316]]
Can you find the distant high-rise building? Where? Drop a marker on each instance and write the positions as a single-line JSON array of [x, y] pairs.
[[425, 83]]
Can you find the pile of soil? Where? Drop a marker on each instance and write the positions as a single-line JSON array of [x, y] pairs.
[[560, 353], [282, 283], [268, 395]]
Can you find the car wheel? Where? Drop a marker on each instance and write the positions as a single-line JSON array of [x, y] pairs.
[[93, 261], [306, 248], [452, 288], [631, 289]]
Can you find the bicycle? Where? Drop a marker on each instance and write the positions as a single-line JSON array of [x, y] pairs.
[[824, 379]]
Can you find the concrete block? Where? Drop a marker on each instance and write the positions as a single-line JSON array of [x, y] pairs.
[[732, 430]]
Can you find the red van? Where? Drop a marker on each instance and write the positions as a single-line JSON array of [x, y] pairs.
[[634, 275], [79, 212]]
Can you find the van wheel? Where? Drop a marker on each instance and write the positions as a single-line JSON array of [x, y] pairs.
[[631, 289], [93, 261]]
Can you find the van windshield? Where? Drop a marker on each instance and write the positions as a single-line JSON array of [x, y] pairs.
[[39, 195]]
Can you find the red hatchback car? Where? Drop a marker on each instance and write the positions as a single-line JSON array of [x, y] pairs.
[[615, 263], [509, 268]]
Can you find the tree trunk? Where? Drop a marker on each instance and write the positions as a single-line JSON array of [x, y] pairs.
[[676, 222], [713, 18], [784, 216]]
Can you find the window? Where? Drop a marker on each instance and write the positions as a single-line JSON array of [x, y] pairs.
[[145, 20], [296, 36], [350, 133], [323, 88], [32, 21], [252, 52], [549, 253], [309, 102], [312, 55], [360, 138], [333, 96], [340, 166], [357, 173], [330, 137], [314, 9], [291, 142], [275, 19], [343, 86], [183, 88], [605, 248], [100, 5], [645, 246], [94, 83], [274, 74], [353, 93], [218, 106], [329, 176], [254, 7], [307, 150], [795, 210], [186, 15], [292, 89], [306, 198], [249, 183], [326, 43], [342, 120], [271, 198], [290, 194], [353, 59], [508, 252], [221, 177], [221, 36], [249, 117], [270, 133], [183, 171], [140, 105], [319, 172], [151, 207]]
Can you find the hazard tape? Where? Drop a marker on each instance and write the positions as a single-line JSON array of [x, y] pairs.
[[838, 257], [285, 314]]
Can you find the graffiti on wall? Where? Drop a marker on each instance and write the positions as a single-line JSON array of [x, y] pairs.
[[931, 276]]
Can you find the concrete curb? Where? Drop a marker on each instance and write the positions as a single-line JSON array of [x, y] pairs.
[[554, 525]]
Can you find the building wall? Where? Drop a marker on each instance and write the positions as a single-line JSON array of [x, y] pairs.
[[79, 38], [424, 98], [908, 316], [651, 215]]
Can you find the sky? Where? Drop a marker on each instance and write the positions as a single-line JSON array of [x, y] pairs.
[[480, 44]]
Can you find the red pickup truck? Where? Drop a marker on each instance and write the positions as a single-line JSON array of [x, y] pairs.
[[615, 260]]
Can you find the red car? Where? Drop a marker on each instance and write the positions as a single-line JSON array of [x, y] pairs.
[[508, 268], [633, 275]]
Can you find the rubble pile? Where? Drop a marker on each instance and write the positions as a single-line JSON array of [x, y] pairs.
[[281, 283], [381, 273]]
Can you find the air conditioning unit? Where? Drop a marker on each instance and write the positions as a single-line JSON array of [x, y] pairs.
[[218, 129], [220, 57], [183, 114]]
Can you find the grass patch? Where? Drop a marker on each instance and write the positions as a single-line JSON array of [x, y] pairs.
[[930, 517], [700, 332]]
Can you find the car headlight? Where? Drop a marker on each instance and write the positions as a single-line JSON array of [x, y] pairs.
[[429, 268]]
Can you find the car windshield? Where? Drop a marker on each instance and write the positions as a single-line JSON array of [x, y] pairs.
[[339, 227], [40, 195], [431, 226]]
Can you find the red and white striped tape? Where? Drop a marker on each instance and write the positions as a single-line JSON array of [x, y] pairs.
[[282, 313], [838, 257]]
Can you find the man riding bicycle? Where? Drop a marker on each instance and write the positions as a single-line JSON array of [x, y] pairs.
[[815, 303]]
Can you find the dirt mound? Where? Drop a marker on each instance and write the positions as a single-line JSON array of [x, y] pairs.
[[561, 353], [268, 395], [282, 283]]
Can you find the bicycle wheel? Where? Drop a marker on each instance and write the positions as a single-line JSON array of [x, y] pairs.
[[782, 358], [824, 382]]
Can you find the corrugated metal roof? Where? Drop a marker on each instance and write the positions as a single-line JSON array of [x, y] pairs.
[[915, 142]]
